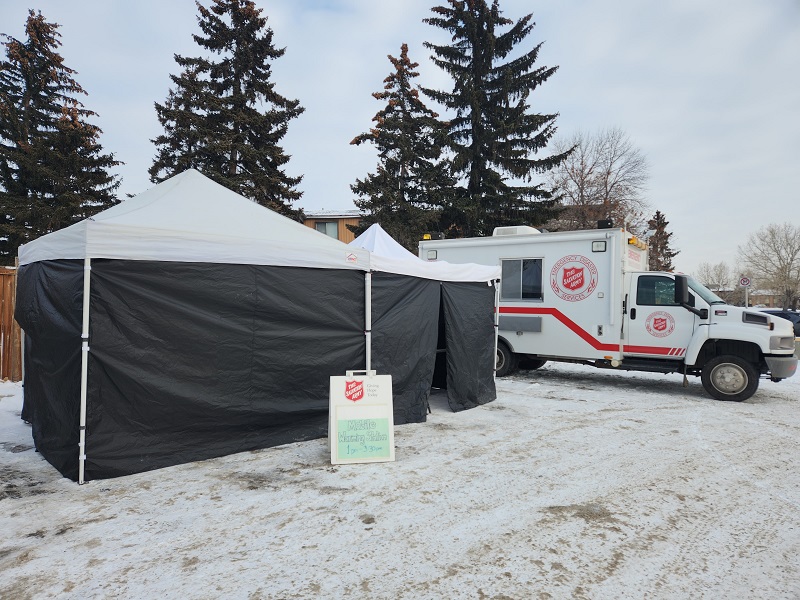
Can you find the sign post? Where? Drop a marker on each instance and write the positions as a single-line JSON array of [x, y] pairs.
[[361, 418], [745, 283]]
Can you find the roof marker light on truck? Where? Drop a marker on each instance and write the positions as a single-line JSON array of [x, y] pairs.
[[634, 241]]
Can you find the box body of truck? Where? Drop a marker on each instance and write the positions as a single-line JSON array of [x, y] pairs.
[[587, 296]]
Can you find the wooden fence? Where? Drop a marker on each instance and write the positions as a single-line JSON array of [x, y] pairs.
[[10, 334]]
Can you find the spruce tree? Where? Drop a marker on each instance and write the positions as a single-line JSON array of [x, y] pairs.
[[181, 145], [411, 179], [493, 132], [661, 254], [53, 172], [224, 117]]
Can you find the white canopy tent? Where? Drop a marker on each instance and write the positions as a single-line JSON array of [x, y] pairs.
[[191, 220], [375, 239], [170, 222], [388, 255]]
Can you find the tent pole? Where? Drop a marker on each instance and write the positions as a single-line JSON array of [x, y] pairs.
[[496, 321], [87, 271], [368, 317]]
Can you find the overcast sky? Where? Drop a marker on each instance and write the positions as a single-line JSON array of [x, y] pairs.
[[709, 91]]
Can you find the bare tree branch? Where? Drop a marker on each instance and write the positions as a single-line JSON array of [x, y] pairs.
[[604, 177], [772, 255]]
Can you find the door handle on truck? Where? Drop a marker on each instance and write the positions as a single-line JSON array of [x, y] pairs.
[[633, 313]]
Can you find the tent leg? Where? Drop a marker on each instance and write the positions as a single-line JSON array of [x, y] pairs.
[[87, 270], [368, 318], [496, 321]]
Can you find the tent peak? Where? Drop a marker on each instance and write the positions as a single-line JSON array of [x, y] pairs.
[[376, 240]]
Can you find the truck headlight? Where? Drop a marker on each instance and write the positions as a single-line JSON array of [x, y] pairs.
[[781, 343]]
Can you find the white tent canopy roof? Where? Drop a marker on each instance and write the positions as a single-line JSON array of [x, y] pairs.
[[389, 256], [190, 218]]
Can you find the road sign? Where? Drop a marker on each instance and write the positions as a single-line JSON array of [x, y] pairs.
[[745, 282]]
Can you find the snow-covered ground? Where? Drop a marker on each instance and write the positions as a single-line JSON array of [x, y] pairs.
[[574, 483]]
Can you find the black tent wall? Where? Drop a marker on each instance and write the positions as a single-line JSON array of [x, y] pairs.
[[469, 332], [405, 314], [191, 361], [49, 309], [462, 313]]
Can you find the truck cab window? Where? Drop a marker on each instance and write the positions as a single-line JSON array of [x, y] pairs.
[[521, 279], [655, 290]]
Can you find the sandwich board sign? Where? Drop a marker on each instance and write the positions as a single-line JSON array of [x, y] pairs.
[[361, 418]]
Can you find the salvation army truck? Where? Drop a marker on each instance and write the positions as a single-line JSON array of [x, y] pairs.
[[587, 297]]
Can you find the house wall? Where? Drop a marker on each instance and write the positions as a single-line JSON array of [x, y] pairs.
[[766, 299], [345, 235]]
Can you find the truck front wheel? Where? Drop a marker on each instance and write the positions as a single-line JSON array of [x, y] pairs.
[[506, 360], [729, 378]]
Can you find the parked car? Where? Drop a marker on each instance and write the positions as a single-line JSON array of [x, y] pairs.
[[788, 314]]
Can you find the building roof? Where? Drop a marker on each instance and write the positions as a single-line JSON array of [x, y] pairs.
[[332, 214]]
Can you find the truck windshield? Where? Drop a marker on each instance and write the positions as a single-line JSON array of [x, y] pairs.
[[705, 293]]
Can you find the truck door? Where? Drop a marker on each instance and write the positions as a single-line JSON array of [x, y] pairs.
[[655, 325]]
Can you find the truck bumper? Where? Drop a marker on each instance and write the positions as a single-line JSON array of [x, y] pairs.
[[781, 367]]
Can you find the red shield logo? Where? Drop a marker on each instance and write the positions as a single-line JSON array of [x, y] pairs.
[[573, 278], [354, 390], [659, 324]]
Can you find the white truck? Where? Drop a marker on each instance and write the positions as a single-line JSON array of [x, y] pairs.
[[587, 297]]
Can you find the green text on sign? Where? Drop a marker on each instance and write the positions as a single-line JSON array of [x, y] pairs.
[[363, 438]]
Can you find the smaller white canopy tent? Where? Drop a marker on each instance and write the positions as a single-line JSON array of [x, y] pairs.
[[386, 254], [389, 256], [375, 239]]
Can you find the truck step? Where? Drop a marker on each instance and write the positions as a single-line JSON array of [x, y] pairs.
[[651, 365]]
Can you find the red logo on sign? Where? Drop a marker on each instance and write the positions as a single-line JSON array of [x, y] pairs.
[[354, 390], [573, 278], [659, 323]]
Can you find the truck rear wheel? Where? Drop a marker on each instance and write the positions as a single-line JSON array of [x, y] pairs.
[[729, 378], [506, 360]]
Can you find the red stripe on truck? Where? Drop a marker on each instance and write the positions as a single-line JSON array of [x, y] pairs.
[[585, 335]]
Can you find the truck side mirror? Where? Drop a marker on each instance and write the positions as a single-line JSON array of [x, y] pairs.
[[682, 297], [681, 290]]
